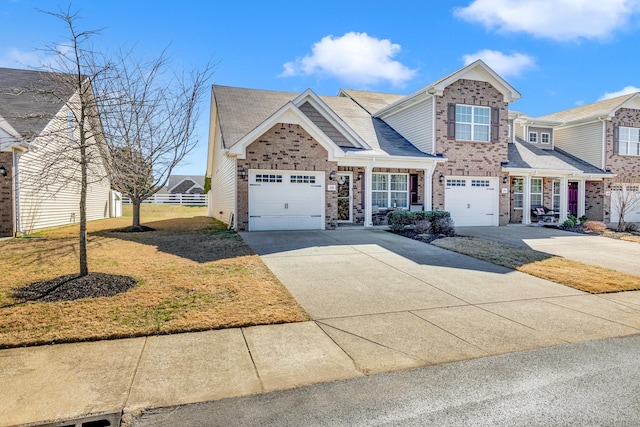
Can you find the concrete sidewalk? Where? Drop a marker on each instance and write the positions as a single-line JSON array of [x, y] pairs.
[[379, 302]]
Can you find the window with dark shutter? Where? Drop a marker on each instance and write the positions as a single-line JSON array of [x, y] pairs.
[[616, 139], [451, 121]]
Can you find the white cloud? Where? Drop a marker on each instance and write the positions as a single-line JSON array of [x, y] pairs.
[[37, 59], [624, 91], [355, 58], [505, 65], [554, 19]]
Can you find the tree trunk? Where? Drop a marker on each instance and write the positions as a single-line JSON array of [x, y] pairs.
[[136, 212], [84, 265]]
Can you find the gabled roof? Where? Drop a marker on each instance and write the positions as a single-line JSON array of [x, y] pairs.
[[244, 113], [477, 70], [26, 102], [605, 108], [175, 180], [523, 155]]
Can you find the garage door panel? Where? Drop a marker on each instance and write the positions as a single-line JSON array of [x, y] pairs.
[[294, 202], [472, 201]]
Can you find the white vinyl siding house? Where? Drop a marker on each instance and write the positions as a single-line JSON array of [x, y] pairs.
[[415, 123], [49, 183], [222, 171], [583, 141]]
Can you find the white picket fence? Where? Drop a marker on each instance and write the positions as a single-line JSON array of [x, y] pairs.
[[173, 199]]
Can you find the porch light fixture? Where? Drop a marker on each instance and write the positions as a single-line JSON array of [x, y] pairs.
[[332, 175], [243, 173], [3, 171], [441, 177], [359, 176], [505, 179]]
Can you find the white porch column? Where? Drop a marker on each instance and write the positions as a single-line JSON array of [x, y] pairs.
[[564, 199], [526, 199], [581, 198], [428, 188], [368, 180]]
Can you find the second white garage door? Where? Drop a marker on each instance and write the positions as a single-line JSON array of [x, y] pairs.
[[472, 201], [286, 200]]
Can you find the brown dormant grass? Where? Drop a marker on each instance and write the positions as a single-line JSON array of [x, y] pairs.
[[192, 275], [575, 274]]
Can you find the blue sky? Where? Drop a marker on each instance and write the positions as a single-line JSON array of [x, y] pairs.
[[557, 53]]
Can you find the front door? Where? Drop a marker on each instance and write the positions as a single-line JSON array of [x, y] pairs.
[[573, 198], [344, 197]]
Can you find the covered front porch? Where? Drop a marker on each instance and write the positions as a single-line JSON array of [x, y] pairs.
[[368, 190]]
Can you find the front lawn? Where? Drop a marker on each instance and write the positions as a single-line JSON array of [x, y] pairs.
[[191, 275], [588, 278]]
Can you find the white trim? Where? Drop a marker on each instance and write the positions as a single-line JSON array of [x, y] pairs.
[[530, 134], [548, 138], [289, 114], [342, 127], [350, 175]]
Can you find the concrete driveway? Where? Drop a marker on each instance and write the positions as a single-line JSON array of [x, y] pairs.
[[392, 303], [595, 250]]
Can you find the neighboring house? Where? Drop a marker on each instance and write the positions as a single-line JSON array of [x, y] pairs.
[[605, 134], [301, 161], [33, 125], [184, 184]]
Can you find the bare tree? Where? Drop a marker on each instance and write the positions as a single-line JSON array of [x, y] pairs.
[[625, 198], [149, 116], [70, 151]]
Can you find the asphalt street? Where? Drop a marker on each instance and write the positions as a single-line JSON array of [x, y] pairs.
[[594, 383]]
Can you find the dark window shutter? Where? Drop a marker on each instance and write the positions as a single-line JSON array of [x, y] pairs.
[[451, 121], [616, 139], [495, 124]]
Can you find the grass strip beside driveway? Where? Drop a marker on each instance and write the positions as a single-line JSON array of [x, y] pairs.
[[567, 272], [191, 275]]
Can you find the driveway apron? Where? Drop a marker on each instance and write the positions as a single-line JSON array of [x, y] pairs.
[[391, 302]]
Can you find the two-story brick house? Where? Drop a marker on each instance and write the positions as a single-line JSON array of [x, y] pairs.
[[301, 161], [606, 134]]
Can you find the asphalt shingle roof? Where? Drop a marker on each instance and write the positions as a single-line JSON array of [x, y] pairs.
[[242, 110], [26, 102], [600, 108], [372, 101], [523, 155]]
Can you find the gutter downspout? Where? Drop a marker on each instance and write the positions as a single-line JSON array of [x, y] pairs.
[[17, 228]]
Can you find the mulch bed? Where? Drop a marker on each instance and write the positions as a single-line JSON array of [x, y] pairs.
[[426, 238], [134, 229], [72, 287]]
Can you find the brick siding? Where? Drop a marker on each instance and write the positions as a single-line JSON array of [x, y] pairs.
[[465, 158], [286, 147], [6, 196]]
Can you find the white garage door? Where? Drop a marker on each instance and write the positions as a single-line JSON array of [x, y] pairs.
[[286, 200], [472, 200], [627, 195]]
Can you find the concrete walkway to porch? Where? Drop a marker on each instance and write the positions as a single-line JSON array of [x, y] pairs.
[[605, 252]]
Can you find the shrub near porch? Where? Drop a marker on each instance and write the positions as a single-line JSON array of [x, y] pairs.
[[192, 275]]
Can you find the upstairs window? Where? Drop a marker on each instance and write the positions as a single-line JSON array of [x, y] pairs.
[[533, 137], [545, 138], [472, 123], [629, 141]]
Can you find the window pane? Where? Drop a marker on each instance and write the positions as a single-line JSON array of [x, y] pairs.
[[517, 200], [379, 199], [634, 134], [536, 199], [379, 182], [481, 133], [481, 115], [518, 186], [536, 185], [400, 199], [463, 132], [622, 148], [463, 113], [399, 182]]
